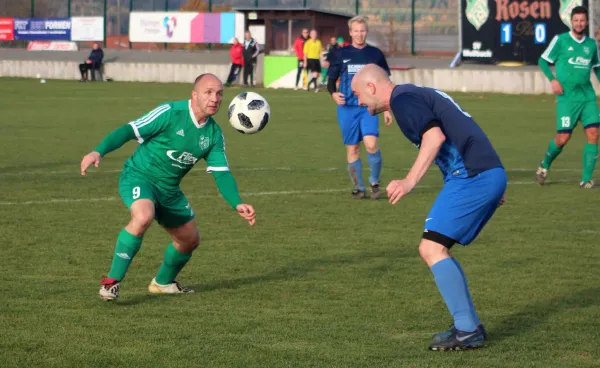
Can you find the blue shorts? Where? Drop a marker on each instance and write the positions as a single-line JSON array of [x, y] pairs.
[[356, 122], [464, 206]]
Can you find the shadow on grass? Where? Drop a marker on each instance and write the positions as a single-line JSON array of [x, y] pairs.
[[537, 313], [296, 270]]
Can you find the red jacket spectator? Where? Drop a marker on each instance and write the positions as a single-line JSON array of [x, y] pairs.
[[236, 53], [299, 47]]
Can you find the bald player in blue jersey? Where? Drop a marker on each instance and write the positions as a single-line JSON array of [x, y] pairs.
[[474, 186], [355, 121]]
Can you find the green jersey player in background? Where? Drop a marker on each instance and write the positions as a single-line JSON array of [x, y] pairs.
[[574, 55], [173, 137]]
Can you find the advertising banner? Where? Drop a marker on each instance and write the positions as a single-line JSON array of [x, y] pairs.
[[42, 29], [52, 46], [512, 30], [87, 29], [6, 29], [185, 27]]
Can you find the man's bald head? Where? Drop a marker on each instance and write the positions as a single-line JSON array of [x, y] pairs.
[[206, 78], [373, 88], [207, 95], [371, 73]]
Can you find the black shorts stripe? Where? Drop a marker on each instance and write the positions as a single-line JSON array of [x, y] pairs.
[[439, 238]]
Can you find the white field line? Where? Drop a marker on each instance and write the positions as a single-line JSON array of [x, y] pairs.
[[248, 194], [323, 169]]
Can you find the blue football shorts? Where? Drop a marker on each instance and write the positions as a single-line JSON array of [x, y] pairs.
[[356, 122], [465, 205]]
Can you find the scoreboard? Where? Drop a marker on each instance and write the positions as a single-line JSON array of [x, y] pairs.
[[495, 31]]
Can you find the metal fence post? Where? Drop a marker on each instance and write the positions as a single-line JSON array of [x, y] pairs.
[[32, 8], [356, 6], [130, 10], [210, 11], [68, 8], [412, 28], [105, 33], [166, 10]]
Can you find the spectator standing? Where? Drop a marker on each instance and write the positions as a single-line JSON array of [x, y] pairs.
[[250, 54], [237, 61], [299, 51], [312, 58]]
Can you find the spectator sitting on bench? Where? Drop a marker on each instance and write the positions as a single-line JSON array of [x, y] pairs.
[[93, 62]]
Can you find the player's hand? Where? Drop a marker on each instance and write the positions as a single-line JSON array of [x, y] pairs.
[[338, 97], [247, 212], [89, 159], [387, 118], [556, 87], [397, 189]]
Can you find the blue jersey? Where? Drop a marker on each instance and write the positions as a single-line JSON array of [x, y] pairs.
[[466, 152], [347, 61]]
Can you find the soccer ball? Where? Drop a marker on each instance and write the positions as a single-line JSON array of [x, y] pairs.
[[249, 113]]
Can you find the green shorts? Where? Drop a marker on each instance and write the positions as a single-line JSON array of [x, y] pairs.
[[171, 207], [569, 113]]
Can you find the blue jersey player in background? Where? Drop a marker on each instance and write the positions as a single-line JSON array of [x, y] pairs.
[[355, 121], [474, 186]]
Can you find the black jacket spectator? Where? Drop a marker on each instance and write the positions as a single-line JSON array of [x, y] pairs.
[[251, 51], [93, 63]]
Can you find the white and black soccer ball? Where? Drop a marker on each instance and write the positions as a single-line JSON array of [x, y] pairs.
[[249, 113]]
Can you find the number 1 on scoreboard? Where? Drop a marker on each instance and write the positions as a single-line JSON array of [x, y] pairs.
[[506, 33]]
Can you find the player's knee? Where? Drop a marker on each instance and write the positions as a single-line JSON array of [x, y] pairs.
[[431, 252], [591, 135], [194, 241], [372, 147], [141, 220], [562, 139], [353, 152]]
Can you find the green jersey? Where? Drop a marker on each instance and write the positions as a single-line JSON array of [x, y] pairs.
[[574, 60], [172, 142]]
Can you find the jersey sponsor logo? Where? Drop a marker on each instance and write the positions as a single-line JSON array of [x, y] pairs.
[[204, 142], [579, 61], [184, 158], [346, 60], [354, 68], [586, 49], [571, 48], [181, 133]]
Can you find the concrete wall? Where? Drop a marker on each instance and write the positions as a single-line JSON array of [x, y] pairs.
[[121, 71], [498, 80], [510, 81]]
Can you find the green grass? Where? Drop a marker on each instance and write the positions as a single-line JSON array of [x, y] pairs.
[[320, 281]]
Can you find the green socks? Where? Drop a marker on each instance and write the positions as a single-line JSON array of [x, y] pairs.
[[127, 247], [590, 154], [551, 154], [172, 264]]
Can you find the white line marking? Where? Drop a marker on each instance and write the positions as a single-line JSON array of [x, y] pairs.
[[249, 194], [242, 169]]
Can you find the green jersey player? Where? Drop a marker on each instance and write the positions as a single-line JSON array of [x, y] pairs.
[[172, 137], [574, 55]]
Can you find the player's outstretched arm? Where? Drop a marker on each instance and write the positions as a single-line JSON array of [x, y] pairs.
[[111, 142], [229, 190], [431, 143]]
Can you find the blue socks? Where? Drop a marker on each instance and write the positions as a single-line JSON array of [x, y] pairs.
[[452, 283], [375, 166], [355, 171], [473, 312]]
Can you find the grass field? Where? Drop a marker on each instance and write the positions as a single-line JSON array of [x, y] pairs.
[[320, 281]]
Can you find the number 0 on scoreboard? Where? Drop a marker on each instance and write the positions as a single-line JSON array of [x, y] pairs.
[[539, 33]]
